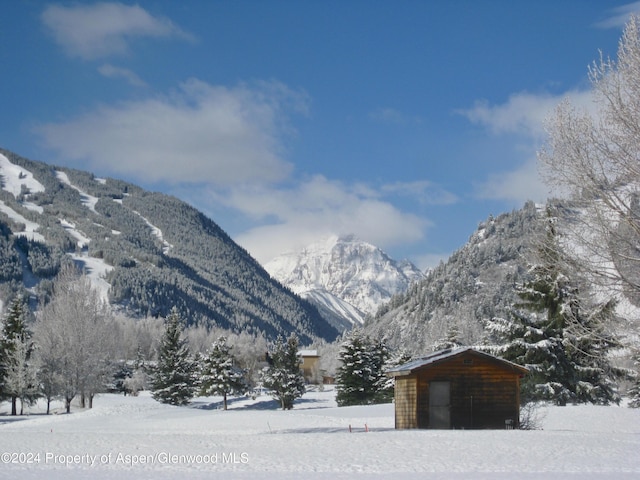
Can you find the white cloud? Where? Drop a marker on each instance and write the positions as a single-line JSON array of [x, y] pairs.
[[619, 16], [111, 71], [200, 133], [295, 216], [104, 29], [515, 186], [430, 261], [524, 115], [226, 147]]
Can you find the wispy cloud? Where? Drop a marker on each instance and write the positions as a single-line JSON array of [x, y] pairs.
[[105, 29], [112, 71], [199, 133], [523, 113], [392, 116], [619, 16], [292, 217], [423, 191]]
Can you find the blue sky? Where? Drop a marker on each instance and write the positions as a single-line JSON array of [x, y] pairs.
[[404, 122]]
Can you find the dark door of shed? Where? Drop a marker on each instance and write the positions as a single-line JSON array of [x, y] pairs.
[[440, 405]]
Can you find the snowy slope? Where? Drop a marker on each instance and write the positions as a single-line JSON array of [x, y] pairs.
[[18, 180], [30, 228], [256, 440], [87, 200], [146, 252], [346, 269]]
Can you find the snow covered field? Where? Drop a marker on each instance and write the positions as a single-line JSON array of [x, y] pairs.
[[129, 437]]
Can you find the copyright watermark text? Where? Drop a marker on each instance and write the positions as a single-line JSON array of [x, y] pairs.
[[125, 459]]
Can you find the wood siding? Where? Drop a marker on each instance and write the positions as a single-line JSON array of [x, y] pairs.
[[484, 393], [405, 399]]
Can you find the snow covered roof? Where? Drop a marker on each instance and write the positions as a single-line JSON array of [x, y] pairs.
[[308, 353], [442, 355]]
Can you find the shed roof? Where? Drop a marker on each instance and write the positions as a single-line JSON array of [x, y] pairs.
[[308, 353], [447, 354]]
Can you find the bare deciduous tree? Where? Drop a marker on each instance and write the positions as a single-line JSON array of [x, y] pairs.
[[595, 157], [74, 337]]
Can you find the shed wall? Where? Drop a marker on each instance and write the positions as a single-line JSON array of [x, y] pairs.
[[483, 394], [405, 400]]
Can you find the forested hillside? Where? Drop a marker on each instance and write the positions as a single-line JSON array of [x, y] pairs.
[[150, 251], [474, 285]]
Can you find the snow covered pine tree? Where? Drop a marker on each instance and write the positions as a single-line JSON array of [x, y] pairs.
[[219, 375], [173, 379], [561, 336], [17, 370], [283, 376], [360, 378]]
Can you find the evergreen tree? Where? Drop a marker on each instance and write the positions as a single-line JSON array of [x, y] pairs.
[[218, 373], [450, 341], [559, 335], [21, 379], [283, 375], [173, 378], [360, 378], [17, 370], [355, 377], [386, 385]]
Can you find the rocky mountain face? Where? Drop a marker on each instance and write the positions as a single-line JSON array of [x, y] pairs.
[[346, 278], [146, 252]]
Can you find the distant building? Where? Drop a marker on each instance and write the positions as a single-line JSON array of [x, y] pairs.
[[457, 388], [309, 365]]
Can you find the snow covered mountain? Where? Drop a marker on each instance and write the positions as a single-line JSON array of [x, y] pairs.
[[345, 277], [145, 253], [476, 283]]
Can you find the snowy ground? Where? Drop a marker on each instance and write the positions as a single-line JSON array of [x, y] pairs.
[[255, 440]]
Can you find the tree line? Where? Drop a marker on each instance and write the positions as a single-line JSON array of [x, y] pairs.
[[73, 347]]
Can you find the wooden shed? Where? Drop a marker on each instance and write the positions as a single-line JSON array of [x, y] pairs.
[[457, 388], [309, 365]]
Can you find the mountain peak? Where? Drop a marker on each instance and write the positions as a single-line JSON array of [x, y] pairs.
[[347, 268]]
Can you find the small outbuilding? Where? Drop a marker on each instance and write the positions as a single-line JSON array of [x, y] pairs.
[[457, 388], [309, 364]]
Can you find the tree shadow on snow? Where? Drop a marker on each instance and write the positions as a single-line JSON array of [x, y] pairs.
[[343, 429], [272, 404], [267, 403], [8, 419]]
